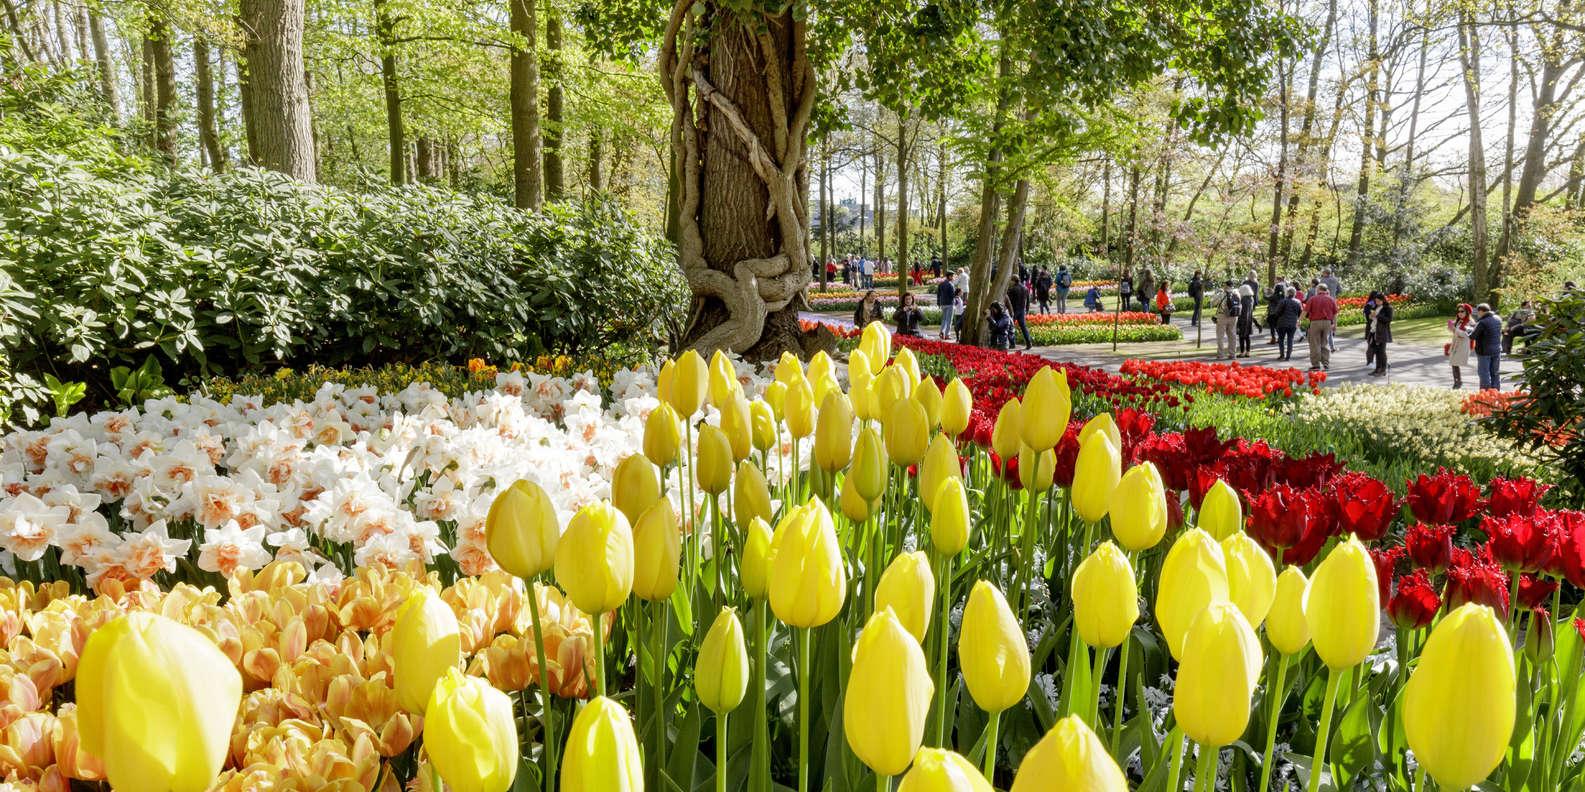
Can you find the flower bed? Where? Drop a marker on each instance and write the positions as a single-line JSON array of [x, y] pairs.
[[1233, 379], [1060, 334], [1096, 318]]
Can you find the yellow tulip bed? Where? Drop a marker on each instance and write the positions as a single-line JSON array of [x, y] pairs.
[[815, 577]]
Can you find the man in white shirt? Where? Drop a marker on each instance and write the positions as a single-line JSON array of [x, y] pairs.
[[868, 268]]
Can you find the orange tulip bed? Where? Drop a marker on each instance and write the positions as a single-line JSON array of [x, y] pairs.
[[924, 567]]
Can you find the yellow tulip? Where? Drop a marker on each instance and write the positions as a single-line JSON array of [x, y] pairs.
[[888, 696], [950, 518], [776, 398], [594, 564], [156, 700], [869, 471], [1193, 576], [663, 381], [1458, 707], [1251, 579], [634, 486], [1095, 477], [1102, 424], [834, 433], [957, 406], [1286, 626], [909, 589], [1217, 676], [690, 382], [736, 425], [470, 734], [1343, 607], [937, 770], [854, 506], [860, 367], [662, 435], [657, 551], [862, 397], [820, 365], [722, 381], [992, 651], [762, 425], [1105, 599], [788, 367], [755, 566], [825, 386], [720, 675], [908, 363], [1047, 405], [907, 433], [1069, 757], [1139, 508], [713, 460], [1221, 514], [890, 387], [1007, 433], [929, 397], [941, 463], [806, 580], [425, 642], [521, 529], [876, 344], [800, 409], [602, 753], [1036, 469], [750, 494]]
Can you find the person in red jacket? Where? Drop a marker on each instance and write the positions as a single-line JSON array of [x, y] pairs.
[[1321, 310]]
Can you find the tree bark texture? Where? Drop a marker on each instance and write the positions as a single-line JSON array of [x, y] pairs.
[[1469, 59], [107, 75], [526, 189], [208, 131], [280, 135], [1367, 138], [164, 88], [555, 185], [385, 34]]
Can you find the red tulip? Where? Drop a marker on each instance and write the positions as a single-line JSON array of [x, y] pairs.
[[1533, 590], [1430, 546], [1479, 581], [1579, 627], [1518, 496], [1365, 506], [1519, 542], [1067, 452], [1278, 517], [1201, 481], [1415, 604], [1568, 560], [1386, 569], [1447, 498]]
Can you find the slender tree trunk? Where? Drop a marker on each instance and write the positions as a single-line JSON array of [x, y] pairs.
[[164, 89], [107, 71], [1507, 155], [825, 209], [146, 90], [427, 157], [1548, 103], [80, 29], [941, 198], [18, 35], [864, 197], [1105, 246], [902, 206], [880, 199], [61, 40], [554, 124], [1284, 75], [1576, 175], [980, 292], [385, 34], [1368, 138], [280, 132], [208, 132], [596, 161], [1306, 142], [1131, 244], [525, 108], [1469, 59]]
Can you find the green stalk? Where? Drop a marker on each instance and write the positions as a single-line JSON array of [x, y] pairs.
[[803, 709], [1092, 711], [1323, 730], [1276, 693], [1205, 769], [882, 783], [943, 604], [716, 555], [759, 757], [1122, 689], [546, 714], [657, 643], [1175, 767], [599, 654], [720, 752], [991, 731], [1513, 607]]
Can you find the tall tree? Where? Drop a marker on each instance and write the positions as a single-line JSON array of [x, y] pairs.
[[275, 93], [108, 86], [1368, 131], [396, 132], [524, 97], [164, 74], [1482, 273], [555, 128], [208, 130]]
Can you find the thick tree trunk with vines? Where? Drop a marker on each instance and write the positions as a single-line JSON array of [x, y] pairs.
[[741, 104]]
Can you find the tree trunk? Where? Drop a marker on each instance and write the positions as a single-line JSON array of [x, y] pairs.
[[385, 35], [1469, 59], [902, 207], [990, 205], [1105, 246], [1282, 174], [61, 40], [554, 130], [146, 90], [280, 135], [596, 161], [208, 132], [1131, 243], [941, 199], [80, 29], [1305, 142], [18, 35], [741, 105], [1576, 176], [825, 209], [107, 74], [164, 89], [880, 200], [1547, 105], [1368, 138], [526, 191], [427, 159], [864, 200]]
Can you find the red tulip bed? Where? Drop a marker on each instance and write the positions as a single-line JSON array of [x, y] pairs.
[[1232, 379], [1095, 318]]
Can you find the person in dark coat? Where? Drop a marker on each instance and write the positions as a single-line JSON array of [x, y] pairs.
[[869, 310], [908, 316], [1274, 298], [1246, 318], [1287, 322], [1197, 294], [945, 291], [1487, 339], [1147, 290], [1379, 328], [1043, 289], [1000, 326], [1018, 303]]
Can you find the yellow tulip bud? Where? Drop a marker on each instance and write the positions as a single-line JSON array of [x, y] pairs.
[[860, 367], [723, 384], [634, 486], [957, 406], [1105, 599], [690, 381], [1047, 405], [800, 409], [1095, 476], [1217, 676], [821, 365], [950, 518], [602, 753], [762, 425], [853, 504], [806, 579], [662, 435], [941, 463], [470, 734], [663, 380], [862, 395], [1036, 469], [1193, 575], [868, 471], [992, 651], [1102, 424], [1286, 625], [906, 361], [713, 460], [1343, 607], [750, 494], [755, 566], [937, 770], [834, 433], [1007, 433], [1070, 756], [594, 564], [720, 675], [521, 530], [1221, 514], [657, 551], [890, 387], [425, 642], [907, 433], [1251, 579], [776, 398], [1139, 508], [156, 700], [888, 695], [929, 397], [788, 368], [1458, 707], [825, 386], [909, 589], [735, 424], [876, 344]]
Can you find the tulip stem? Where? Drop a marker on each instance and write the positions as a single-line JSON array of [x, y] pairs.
[[883, 783], [1175, 766], [599, 654], [657, 644], [803, 709], [944, 586], [546, 714], [1513, 607], [759, 777], [720, 752], [1122, 689], [1092, 709], [1323, 730], [1205, 769], [991, 731], [1276, 693]]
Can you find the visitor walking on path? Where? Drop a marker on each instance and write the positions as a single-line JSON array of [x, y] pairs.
[[1460, 327], [869, 310], [1147, 290], [1378, 332], [1001, 327], [1321, 310], [1225, 307], [1334, 287], [1487, 340], [1279, 292], [909, 317], [1018, 302], [1125, 292], [1287, 322], [1063, 283], [1197, 294], [945, 293], [868, 271], [961, 282], [1164, 305], [1043, 289], [1246, 318]]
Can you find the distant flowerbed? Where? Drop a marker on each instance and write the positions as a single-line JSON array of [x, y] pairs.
[[1232, 379], [1394, 300], [1096, 318]]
